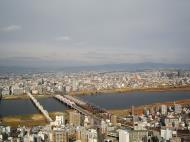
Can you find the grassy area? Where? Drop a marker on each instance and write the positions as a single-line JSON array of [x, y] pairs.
[[28, 120], [24, 96]]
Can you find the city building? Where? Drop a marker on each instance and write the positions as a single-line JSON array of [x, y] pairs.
[[74, 118], [123, 136], [59, 135], [163, 109]]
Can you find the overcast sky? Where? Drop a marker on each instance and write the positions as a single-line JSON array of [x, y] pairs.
[[86, 32]]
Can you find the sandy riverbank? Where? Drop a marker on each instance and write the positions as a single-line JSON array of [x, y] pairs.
[[24, 96], [28, 120]]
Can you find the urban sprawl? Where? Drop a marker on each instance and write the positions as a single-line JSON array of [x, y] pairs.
[[164, 123], [51, 83]]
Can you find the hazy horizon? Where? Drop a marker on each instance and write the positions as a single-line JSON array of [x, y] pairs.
[[84, 33]]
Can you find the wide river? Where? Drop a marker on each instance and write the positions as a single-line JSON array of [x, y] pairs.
[[108, 101]]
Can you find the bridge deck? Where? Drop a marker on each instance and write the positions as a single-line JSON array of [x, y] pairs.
[[40, 107], [73, 105]]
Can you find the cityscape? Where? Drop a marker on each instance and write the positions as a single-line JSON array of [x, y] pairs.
[[87, 122], [94, 71], [92, 82]]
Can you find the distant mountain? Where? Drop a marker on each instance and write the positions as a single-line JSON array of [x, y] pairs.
[[106, 67], [143, 66]]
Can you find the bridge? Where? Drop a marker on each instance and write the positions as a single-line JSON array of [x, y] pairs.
[[67, 100], [40, 107], [94, 109], [88, 109]]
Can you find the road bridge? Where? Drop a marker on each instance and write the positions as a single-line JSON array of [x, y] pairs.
[[40, 107]]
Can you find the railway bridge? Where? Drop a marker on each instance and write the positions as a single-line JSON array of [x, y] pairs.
[[88, 109], [67, 100]]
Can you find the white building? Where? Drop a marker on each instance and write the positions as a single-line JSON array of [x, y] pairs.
[[177, 108], [92, 135], [123, 136], [5, 91], [1, 137], [67, 89], [163, 109], [60, 120], [166, 134]]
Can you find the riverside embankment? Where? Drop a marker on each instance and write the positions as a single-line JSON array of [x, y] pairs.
[[106, 91], [118, 103], [140, 109]]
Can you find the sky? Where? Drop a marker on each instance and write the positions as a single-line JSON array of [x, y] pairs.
[[94, 32]]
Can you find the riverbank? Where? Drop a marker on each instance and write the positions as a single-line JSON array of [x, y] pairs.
[[110, 91], [38, 119], [126, 90], [24, 96], [27, 120], [140, 109]]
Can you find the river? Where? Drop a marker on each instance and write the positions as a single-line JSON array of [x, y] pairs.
[[108, 101]]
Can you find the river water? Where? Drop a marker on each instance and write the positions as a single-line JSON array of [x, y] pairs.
[[108, 101]]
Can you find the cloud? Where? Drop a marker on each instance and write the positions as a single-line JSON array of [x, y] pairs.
[[11, 28], [86, 31], [63, 38]]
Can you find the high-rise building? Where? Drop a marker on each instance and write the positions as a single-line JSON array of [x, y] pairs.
[[163, 109], [177, 108], [146, 111], [103, 127], [166, 134], [59, 135], [78, 134], [92, 135], [74, 118], [81, 134], [37, 138], [132, 110], [75, 85], [114, 119], [123, 136], [60, 120], [86, 121], [133, 135], [138, 135]]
